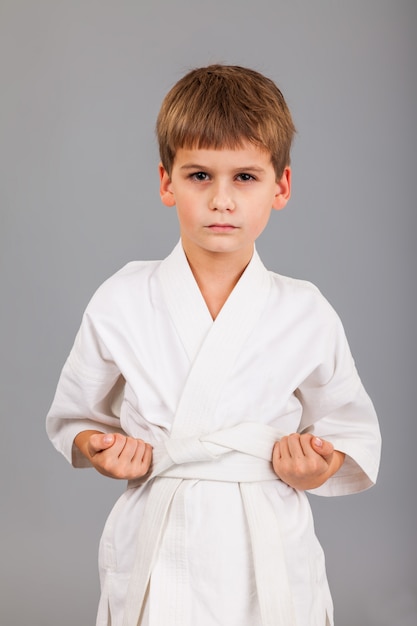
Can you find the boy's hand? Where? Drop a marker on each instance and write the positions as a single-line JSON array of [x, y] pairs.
[[305, 462], [116, 455]]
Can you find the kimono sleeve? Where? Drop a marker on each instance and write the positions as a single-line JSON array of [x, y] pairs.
[[88, 395], [337, 408]]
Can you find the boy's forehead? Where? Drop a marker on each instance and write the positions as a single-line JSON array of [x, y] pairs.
[[246, 154]]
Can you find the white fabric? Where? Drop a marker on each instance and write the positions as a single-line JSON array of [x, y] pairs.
[[223, 541]]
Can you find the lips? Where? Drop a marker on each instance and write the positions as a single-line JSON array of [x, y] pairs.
[[222, 228]]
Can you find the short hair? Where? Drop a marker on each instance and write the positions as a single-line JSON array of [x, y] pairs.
[[222, 106]]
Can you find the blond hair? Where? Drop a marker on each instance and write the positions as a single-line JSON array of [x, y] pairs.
[[222, 106]]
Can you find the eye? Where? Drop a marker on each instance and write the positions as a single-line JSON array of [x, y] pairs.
[[199, 176], [244, 177]]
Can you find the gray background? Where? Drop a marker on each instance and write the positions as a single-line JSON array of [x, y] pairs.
[[81, 84]]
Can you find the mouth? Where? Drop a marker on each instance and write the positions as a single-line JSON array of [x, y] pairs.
[[222, 228]]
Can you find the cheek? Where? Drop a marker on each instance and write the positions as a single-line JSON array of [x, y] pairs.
[[185, 214], [261, 227], [260, 221]]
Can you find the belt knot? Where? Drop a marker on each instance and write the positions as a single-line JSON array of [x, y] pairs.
[[189, 450]]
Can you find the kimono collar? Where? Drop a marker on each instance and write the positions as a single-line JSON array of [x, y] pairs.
[[186, 304]]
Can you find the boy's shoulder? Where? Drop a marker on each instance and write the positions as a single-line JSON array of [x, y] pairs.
[[295, 287], [293, 284], [123, 284], [302, 297], [131, 272]]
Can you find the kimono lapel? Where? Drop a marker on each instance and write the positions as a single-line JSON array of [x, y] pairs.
[[211, 346], [184, 301]]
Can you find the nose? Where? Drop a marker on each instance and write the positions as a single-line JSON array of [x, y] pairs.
[[221, 200]]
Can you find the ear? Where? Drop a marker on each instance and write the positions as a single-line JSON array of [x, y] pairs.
[[165, 187], [283, 192]]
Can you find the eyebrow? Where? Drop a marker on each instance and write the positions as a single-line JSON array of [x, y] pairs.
[[245, 168]]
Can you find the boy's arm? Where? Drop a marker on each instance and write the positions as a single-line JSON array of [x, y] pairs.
[[305, 462], [115, 455]]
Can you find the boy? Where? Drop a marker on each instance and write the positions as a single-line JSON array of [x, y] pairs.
[[221, 391]]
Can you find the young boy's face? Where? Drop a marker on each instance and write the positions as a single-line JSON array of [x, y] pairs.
[[223, 197]]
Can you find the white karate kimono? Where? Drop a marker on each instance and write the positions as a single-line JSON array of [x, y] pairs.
[[211, 537]]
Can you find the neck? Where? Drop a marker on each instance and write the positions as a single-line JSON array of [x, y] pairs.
[[217, 274]]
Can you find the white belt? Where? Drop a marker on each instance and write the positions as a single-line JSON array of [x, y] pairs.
[[239, 454]]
